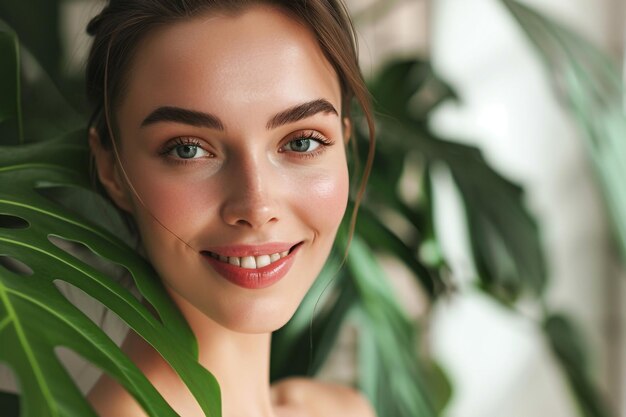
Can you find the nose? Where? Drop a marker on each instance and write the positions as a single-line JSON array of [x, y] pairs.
[[250, 201]]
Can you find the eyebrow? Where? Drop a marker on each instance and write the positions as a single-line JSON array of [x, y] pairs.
[[301, 111], [201, 119], [185, 116]]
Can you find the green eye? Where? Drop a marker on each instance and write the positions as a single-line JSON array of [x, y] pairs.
[[185, 148], [302, 145], [186, 151]]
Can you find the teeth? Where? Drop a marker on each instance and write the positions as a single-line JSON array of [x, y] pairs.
[[250, 262], [262, 261]]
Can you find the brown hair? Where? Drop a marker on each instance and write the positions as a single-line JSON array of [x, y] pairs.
[[118, 29]]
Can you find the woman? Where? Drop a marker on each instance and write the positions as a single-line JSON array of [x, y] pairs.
[[222, 135]]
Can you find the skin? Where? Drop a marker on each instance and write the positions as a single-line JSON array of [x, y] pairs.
[[246, 184]]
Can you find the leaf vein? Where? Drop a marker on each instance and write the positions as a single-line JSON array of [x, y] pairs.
[[28, 350]]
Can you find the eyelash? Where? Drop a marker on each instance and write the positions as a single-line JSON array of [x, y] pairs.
[[190, 141], [180, 141], [311, 135]]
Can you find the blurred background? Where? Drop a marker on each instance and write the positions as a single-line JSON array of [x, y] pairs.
[[524, 315], [498, 361]]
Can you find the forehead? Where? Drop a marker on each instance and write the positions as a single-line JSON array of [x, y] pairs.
[[259, 60]]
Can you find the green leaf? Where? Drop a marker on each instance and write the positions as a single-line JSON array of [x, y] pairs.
[[302, 346], [37, 24], [10, 98], [504, 237], [439, 385], [567, 346], [378, 236], [35, 317], [388, 369], [54, 101], [409, 89], [590, 85]]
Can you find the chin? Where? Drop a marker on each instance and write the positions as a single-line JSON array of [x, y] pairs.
[[256, 325], [244, 313]]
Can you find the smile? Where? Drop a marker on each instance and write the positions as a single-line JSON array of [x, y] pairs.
[[249, 262], [252, 267]]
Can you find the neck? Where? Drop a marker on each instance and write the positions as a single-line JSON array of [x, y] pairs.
[[239, 361]]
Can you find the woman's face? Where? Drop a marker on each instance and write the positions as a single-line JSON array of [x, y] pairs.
[[232, 138]]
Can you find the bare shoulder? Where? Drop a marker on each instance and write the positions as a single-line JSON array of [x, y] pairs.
[[322, 398]]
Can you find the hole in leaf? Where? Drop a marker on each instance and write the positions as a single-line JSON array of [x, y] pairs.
[[134, 346], [8, 221], [83, 253], [88, 376], [15, 266], [95, 310], [8, 379], [117, 273], [81, 371], [9, 391]]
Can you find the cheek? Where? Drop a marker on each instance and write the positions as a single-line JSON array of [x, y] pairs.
[[180, 205], [322, 199]]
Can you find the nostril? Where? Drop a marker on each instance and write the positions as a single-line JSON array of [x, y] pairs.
[[249, 213]]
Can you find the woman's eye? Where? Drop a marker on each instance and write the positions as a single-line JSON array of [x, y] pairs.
[[307, 143], [302, 145], [185, 149]]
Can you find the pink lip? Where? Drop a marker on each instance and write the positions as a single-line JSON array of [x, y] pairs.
[[253, 278]]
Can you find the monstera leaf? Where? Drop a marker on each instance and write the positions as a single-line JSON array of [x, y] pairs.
[[590, 84], [35, 317], [504, 237]]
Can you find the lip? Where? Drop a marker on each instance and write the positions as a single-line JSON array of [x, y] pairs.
[[253, 278]]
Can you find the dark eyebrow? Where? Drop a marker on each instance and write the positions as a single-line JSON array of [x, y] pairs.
[[185, 116], [201, 119], [301, 111]]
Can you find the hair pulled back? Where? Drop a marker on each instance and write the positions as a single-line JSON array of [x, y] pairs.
[[122, 24]]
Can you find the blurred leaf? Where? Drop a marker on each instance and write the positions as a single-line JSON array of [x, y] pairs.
[[567, 346], [439, 385], [10, 99], [37, 24], [46, 111], [302, 346], [50, 95], [388, 371], [35, 317], [590, 85], [408, 89], [378, 236], [504, 237]]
